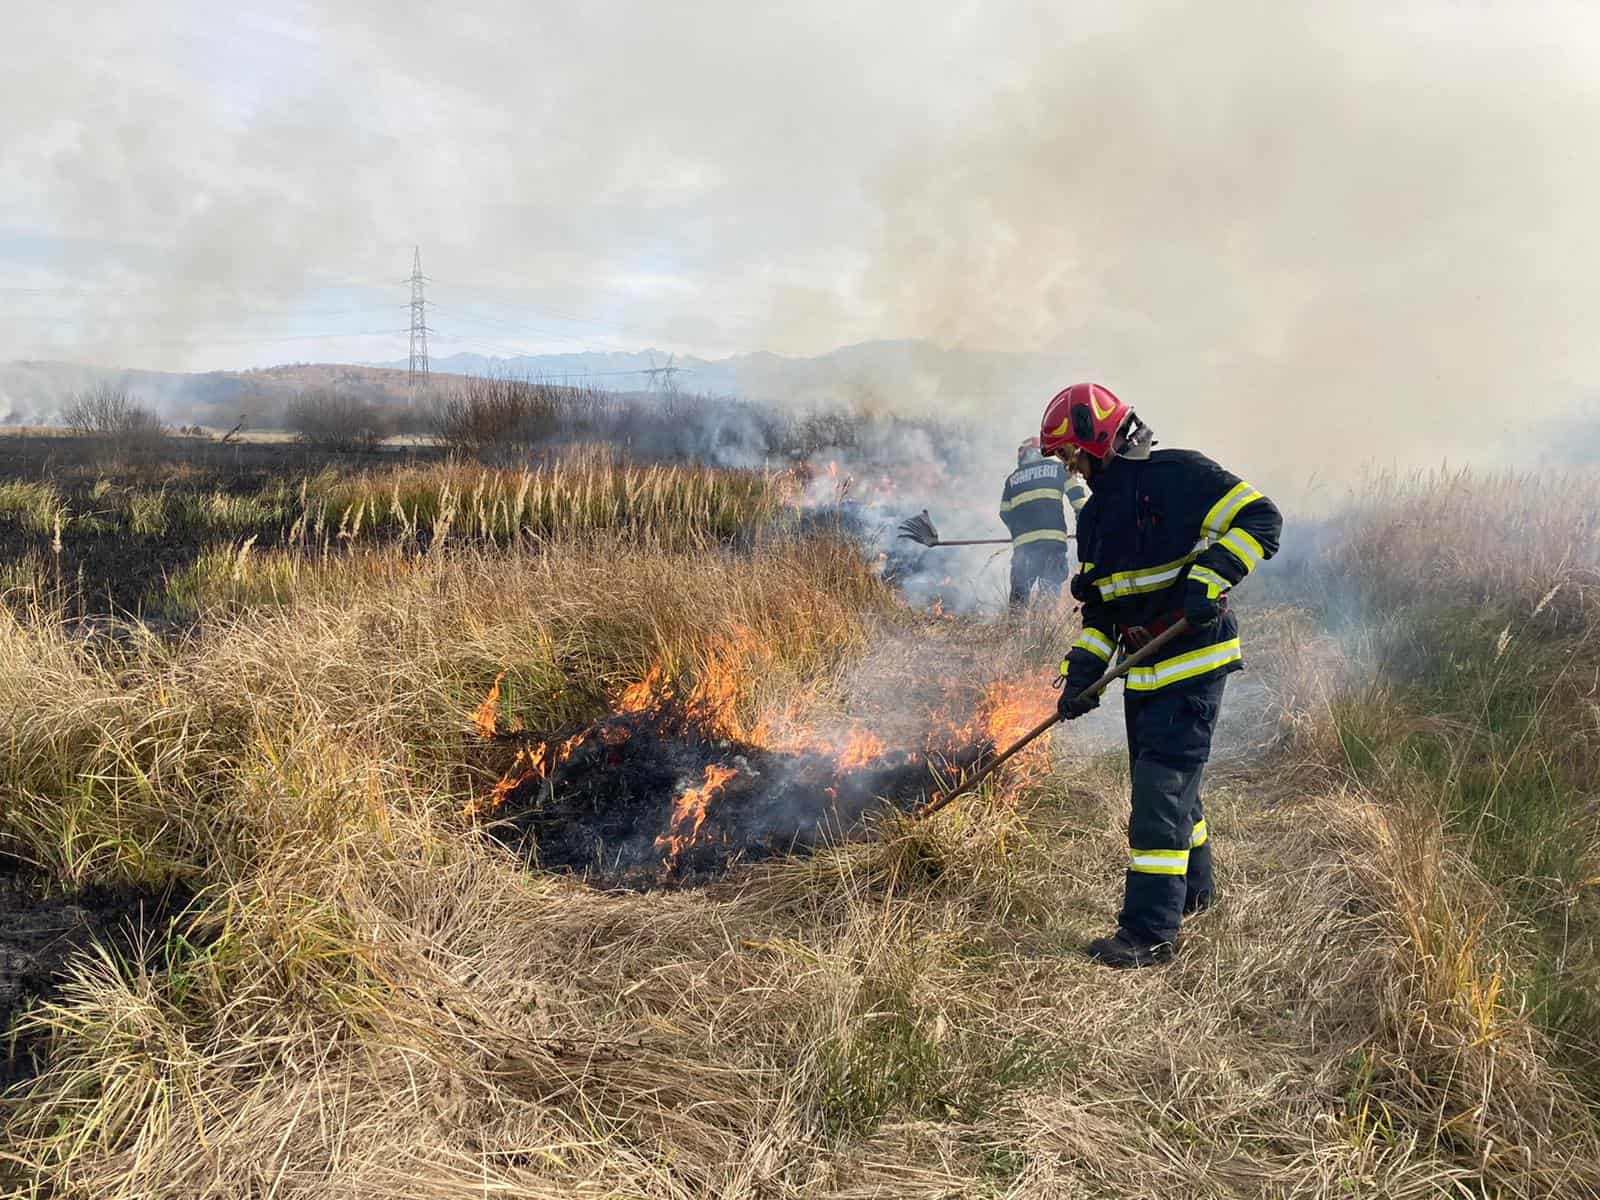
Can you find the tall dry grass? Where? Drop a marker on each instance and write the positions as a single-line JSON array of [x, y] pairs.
[[1474, 604], [373, 1000]]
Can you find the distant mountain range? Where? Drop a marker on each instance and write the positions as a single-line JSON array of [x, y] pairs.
[[903, 375], [873, 374]]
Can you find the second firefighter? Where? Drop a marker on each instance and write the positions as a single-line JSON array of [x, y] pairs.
[[1031, 505]]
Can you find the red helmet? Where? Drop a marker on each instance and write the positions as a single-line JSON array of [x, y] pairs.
[[1084, 417]]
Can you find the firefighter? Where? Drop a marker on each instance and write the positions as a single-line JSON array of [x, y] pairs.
[[1031, 507], [1165, 534]]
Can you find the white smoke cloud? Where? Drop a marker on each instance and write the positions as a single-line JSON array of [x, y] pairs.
[[1293, 234]]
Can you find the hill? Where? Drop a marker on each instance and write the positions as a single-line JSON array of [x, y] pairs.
[[33, 393]]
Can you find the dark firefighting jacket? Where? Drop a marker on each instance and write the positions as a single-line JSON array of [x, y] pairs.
[[1031, 506], [1151, 529]]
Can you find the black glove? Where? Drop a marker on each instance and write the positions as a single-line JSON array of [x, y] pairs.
[[1082, 590], [1073, 705], [1200, 609]]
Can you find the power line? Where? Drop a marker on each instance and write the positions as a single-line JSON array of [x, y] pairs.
[[294, 337]]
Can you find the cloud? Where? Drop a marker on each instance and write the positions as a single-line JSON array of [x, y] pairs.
[[1303, 231]]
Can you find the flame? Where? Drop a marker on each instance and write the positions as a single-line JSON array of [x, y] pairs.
[[713, 702], [1011, 707], [527, 765], [644, 695], [862, 748], [484, 718], [689, 812]]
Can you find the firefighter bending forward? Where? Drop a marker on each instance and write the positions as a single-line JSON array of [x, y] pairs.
[[1031, 507], [1165, 534]]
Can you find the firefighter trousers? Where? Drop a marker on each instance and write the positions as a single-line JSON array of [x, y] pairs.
[[1169, 871], [1044, 563]]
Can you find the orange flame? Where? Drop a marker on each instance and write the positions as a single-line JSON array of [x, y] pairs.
[[862, 748], [484, 718], [1011, 707], [689, 812], [645, 694], [527, 765]]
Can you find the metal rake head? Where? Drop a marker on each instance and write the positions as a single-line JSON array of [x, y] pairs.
[[920, 529]]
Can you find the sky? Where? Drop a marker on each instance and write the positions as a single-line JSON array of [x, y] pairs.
[[1343, 226]]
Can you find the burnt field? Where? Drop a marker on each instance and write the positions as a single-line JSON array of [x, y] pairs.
[[104, 528], [41, 933], [659, 797], [162, 532]]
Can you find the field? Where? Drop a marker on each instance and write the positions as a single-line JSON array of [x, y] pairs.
[[277, 748]]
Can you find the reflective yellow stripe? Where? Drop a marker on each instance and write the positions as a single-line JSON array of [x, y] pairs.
[[1243, 547], [1215, 584], [1225, 510], [1029, 497], [1198, 837], [1096, 643], [1184, 666], [1041, 535], [1085, 568], [1145, 579], [1159, 862]]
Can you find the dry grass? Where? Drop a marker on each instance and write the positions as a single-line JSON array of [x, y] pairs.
[[374, 1000]]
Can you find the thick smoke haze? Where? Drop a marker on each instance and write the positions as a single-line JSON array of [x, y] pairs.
[[1300, 236]]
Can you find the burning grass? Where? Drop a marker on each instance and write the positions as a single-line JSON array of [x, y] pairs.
[[679, 784], [655, 796]]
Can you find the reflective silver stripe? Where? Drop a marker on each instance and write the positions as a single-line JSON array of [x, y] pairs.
[[1146, 579], [1225, 510], [1184, 666], [1159, 862], [1215, 584], [1244, 547], [1029, 497], [1096, 643], [1041, 535]]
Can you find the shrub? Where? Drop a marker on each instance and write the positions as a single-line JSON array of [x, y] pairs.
[[335, 421], [107, 411], [486, 416]]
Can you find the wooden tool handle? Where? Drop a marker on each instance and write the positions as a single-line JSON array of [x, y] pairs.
[[1141, 655]]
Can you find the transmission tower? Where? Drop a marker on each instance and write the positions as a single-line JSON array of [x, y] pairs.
[[419, 324], [664, 377]]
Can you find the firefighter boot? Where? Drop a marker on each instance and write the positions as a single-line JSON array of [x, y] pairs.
[[1122, 949]]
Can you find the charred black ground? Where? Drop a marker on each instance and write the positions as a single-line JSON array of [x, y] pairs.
[[606, 811], [38, 936]]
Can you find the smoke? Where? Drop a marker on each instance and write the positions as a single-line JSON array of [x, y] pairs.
[[1294, 236]]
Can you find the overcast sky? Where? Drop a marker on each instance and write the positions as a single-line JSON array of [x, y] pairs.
[[1366, 219]]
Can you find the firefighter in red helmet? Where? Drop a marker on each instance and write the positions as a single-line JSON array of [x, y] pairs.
[[1166, 534], [1032, 509]]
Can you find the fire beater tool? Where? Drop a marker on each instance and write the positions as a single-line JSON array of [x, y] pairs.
[[1143, 654], [922, 530]]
